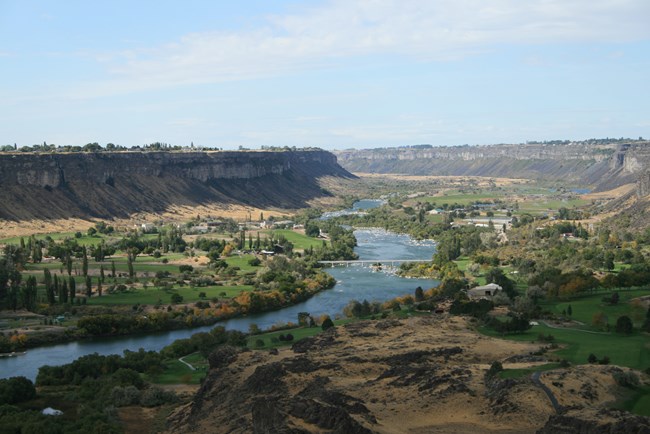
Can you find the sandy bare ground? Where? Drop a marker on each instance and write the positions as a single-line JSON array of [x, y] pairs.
[[480, 180], [175, 214]]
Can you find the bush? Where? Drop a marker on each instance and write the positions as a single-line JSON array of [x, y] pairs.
[[254, 262], [154, 396], [177, 298], [626, 379], [123, 396], [495, 368], [327, 323], [624, 325], [16, 389], [592, 358]]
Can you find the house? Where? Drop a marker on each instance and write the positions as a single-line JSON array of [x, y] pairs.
[[484, 292]]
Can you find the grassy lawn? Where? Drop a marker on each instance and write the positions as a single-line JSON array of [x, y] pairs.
[[632, 351], [462, 198], [152, 295], [525, 372], [637, 401], [584, 308], [242, 263], [299, 241], [545, 204], [176, 372]]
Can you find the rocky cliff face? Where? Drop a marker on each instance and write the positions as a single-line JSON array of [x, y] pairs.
[[602, 166], [118, 184]]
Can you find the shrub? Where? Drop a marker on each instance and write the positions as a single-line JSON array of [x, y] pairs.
[[495, 368], [254, 262], [624, 325], [123, 396], [327, 323], [592, 358], [154, 396], [626, 379], [177, 298]]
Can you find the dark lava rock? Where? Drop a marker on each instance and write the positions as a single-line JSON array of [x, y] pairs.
[[326, 416], [388, 323], [267, 379], [577, 422], [222, 356], [323, 340], [270, 418]]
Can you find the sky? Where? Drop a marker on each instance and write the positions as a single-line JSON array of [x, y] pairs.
[[333, 74]]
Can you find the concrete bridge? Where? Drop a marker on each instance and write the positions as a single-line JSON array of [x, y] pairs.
[[392, 262]]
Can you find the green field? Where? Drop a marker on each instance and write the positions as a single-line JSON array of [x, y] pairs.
[[584, 307], [632, 351], [299, 241], [462, 198], [176, 372], [153, 295]]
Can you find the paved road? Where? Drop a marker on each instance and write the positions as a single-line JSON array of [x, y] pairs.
[[556, 405]]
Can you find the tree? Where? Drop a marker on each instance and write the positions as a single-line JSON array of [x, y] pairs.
[[569, 310], [419, 294], [129, 264], [89, 287], [496, 275], [113, 269], [176, 298], [73, 288], [84, 266], [99, 287], [327, 323], [624, 325]]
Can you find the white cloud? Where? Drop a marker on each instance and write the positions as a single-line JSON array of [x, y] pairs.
[[320, 36]]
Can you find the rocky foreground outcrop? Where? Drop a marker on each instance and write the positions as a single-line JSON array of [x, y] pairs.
[[421, 375], [118, 184]]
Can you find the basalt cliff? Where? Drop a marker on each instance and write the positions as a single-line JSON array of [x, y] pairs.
[[118, 184], [601, 166]]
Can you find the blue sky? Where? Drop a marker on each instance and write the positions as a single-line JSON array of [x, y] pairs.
[[333, 74]]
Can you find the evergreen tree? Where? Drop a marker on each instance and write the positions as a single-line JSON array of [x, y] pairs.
[[63, 292], [28, 294], [73, 288], [129, 264], [250, 241], [49, 289], [68, 263], [84, 266], [55, 286], [89, 287], [113, 269]]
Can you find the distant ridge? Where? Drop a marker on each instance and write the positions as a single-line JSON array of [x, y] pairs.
[[601, 165]]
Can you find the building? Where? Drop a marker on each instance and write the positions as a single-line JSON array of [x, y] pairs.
[[484, 292]]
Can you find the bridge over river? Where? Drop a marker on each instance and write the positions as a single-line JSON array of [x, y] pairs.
[[392, 262]]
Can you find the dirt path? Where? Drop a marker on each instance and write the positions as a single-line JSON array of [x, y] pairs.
[[186, 363]]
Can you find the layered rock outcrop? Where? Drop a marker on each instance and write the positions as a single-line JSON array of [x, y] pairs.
[[121, 183], [603, 166]]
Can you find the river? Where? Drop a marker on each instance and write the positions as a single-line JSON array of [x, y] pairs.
[[353, 283]]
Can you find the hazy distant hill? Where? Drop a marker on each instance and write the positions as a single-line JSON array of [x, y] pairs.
[[120, 183], [602, 165]]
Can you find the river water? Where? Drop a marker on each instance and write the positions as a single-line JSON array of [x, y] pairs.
[[353, 283]]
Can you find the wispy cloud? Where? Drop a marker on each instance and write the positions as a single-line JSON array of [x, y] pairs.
[[315, 37]]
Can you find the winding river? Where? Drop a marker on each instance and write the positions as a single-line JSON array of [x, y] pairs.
[[353, 283]]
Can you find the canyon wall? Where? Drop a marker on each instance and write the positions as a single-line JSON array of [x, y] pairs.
[[120, 183]]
